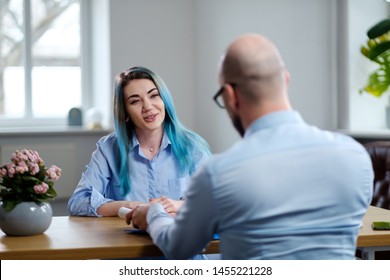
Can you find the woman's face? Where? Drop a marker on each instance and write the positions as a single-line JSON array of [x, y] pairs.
[[143, 104]]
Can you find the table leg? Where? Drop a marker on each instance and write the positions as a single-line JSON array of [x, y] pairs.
[[368, 253]]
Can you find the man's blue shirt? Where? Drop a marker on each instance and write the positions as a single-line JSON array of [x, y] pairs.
[[287, 190]]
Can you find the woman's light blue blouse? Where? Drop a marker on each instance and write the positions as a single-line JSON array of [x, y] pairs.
[[99, 183]]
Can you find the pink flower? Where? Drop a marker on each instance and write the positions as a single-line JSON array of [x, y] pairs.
[[34, 168], [21, 177], [21, 168], [3, 172], [53, 173], [28, 157], [42, 188], [11, 170]]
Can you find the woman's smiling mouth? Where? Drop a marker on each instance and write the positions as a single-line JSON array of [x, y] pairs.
[[150, 118]]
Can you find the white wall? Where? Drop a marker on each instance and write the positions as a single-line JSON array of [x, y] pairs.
[[182, 40], [303, 32], [159, 35]]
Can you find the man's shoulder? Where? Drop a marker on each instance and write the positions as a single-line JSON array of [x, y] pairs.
[[342, 139], [315, 134]]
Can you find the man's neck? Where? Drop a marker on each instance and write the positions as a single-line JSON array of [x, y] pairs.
[[252, 113]]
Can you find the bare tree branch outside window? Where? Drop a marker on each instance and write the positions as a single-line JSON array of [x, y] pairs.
[[43, 14]]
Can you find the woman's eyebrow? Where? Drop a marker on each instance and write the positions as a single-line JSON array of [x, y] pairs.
[[137, 95], [149, 91], [132, 96]]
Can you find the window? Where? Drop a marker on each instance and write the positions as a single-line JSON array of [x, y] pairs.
[[40, 61], [359, 112]]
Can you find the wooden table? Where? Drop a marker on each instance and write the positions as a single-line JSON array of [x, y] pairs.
[[83, 238], [106, 238], [369, 240]]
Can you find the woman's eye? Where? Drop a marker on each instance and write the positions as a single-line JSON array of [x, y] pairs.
[[134, 102], [155, 95]]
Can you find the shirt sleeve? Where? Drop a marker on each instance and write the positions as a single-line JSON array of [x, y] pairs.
[[88, 196], [195, 221], [201, 159]]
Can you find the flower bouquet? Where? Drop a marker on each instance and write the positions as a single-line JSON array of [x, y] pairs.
[[26, 179]]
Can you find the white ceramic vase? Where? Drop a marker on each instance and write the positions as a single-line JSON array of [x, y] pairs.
[[27, 218]]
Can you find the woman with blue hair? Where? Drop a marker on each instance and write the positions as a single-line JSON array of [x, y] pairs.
[[150, 155]]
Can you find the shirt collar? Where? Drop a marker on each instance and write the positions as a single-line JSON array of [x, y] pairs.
[[164, 143], [272, 119]]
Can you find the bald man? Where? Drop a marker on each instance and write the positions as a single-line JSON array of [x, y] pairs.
[[287, 190]]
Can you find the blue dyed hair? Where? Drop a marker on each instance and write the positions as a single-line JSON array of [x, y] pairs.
[[184, 141]]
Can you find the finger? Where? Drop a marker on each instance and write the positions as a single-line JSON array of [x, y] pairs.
[[170, 208], [129, 216], [157, 200], [164, 203]]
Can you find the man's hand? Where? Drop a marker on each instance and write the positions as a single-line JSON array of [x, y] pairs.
[[138, 216]]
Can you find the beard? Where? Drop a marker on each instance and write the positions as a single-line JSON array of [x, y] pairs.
[[238, 125]]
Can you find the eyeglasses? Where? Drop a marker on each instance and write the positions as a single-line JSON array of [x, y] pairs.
[[218, 96]]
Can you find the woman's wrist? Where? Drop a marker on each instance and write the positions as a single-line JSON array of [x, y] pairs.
[[132, 204]]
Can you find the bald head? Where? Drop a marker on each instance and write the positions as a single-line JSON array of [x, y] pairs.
[[254, 63], [254, 80]]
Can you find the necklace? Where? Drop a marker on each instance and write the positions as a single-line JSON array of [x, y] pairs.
[[151, 150]]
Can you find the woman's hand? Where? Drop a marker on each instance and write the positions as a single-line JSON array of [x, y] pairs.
[[110, 209], [171, 206], [139, 212]]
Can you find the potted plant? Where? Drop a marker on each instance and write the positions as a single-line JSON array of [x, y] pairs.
[[26, 186], [378, 51]]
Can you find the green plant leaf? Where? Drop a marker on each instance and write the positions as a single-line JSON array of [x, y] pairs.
[[8, 205], [51, 192], [379, 29], [377, 50], [378, 82]]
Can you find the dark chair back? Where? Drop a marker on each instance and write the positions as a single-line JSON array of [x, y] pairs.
[[380, 156]]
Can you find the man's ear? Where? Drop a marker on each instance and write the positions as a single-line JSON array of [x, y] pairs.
[[287, 78], [232, 99]]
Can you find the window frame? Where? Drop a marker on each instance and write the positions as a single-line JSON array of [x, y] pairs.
[[356, 113]]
